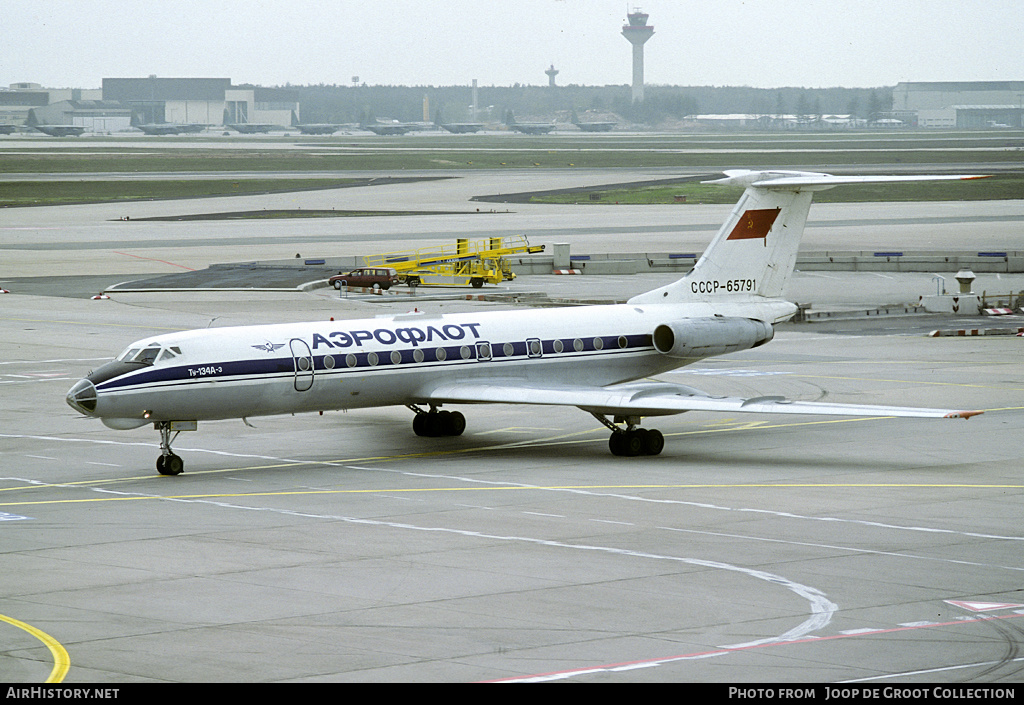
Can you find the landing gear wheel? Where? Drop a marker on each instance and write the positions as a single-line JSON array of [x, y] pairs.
[[170, 464], [634, 444], [637, 441], [435, 424], [617, 442], [654, 442], [456, 424]]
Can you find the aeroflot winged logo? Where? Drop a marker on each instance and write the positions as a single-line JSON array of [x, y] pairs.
[[754, 224], [269, 347]]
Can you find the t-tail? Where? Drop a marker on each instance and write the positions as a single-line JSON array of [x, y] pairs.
[[753, 256]]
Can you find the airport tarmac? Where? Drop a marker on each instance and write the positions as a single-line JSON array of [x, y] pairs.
[[343, 548], [89, 238]]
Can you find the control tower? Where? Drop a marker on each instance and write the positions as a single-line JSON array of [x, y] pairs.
[[637, 32], [551, 72]]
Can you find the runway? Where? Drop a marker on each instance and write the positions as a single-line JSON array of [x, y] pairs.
[[343, 548]]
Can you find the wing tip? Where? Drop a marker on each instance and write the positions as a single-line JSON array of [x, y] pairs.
[[963, 414]]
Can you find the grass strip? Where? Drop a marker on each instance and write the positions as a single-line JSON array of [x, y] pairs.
[[55, 193], [999, 187]]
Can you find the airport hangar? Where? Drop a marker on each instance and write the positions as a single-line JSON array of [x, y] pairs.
[[124, 102], [960, 104]]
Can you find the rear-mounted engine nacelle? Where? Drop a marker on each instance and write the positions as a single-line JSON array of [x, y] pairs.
[[706, 337]]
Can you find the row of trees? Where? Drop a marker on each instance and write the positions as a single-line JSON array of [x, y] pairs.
[[344, 104]]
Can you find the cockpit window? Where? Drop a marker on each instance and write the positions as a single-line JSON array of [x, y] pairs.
[[147, 356], [142, 356]]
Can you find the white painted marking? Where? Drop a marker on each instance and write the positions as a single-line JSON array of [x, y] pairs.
[[47, 362], [512, 429], [982, 606], [930, 670], [821, 608], [864, 630], [633, 498], [634, 666], [725, 373], [27, 379], [840, 548]]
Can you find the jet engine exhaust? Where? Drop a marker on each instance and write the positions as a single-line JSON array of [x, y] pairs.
[[697, 338]]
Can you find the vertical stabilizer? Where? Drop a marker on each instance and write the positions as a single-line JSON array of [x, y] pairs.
[[754, 253]]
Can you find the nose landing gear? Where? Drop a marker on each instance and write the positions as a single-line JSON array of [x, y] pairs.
[[169, 463]]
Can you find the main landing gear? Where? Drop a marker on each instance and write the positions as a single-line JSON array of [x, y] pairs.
[[632, 440], [168, 463], [435, 424]]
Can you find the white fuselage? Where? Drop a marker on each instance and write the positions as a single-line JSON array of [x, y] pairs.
[[289, 368]]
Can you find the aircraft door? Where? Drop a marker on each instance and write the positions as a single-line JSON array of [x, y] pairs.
[[302, 357]]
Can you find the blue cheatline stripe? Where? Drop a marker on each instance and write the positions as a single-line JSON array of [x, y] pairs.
[[253, 369]]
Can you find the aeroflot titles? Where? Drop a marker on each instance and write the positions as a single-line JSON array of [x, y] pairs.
[[386, 336]]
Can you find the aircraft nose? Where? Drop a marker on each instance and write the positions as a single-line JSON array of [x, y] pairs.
[[82, 397]]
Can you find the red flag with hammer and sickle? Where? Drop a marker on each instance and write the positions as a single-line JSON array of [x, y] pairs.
[[754, 224]]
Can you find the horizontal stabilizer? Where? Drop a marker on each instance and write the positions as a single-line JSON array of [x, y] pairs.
[[801, 180]]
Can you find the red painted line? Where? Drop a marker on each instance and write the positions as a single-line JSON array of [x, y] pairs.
[[725, 650], [153, 259]]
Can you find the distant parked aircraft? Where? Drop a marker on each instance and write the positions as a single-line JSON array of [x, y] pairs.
[[462, 128], [252, 128], [320, 128], [170, 128], [390, 128], [60, 130]]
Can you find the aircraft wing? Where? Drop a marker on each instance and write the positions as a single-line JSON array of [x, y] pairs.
[[657, 399]]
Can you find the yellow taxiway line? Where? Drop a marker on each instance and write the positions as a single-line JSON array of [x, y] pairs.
[[61, 660]]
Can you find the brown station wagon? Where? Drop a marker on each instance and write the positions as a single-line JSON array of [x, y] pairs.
[[370, 277]]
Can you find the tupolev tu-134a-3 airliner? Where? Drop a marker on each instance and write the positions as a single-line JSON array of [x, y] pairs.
[[596, 358]]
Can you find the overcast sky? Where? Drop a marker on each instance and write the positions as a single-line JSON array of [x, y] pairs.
[[763, 43]]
